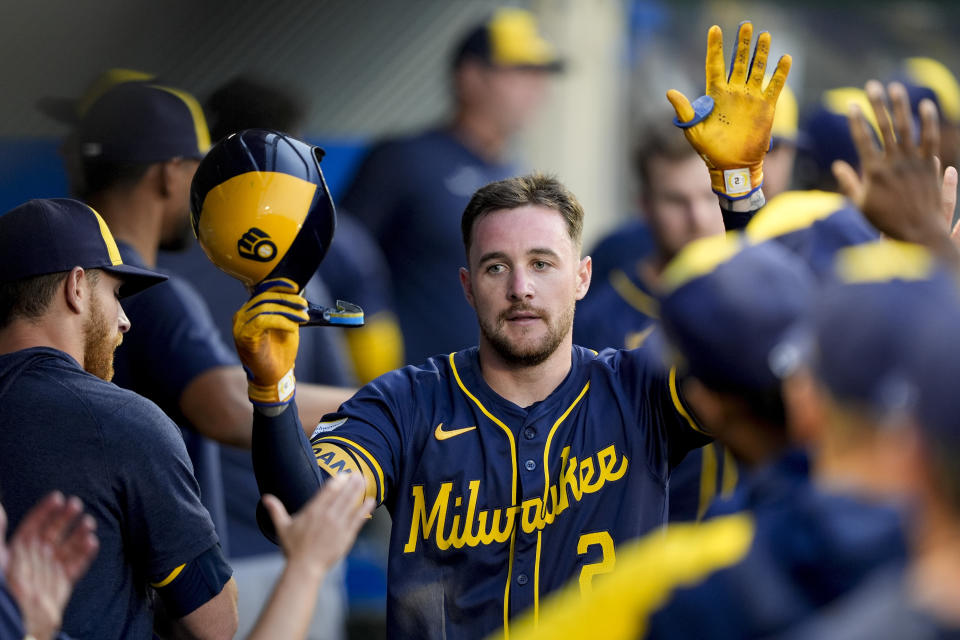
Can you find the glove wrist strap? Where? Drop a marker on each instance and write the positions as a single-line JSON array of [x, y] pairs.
[[273, 395]]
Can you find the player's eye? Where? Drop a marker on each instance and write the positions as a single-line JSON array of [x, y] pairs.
[[540, 265], [496, 268]]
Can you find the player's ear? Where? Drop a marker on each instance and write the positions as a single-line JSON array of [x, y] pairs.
[[467, 287], [77, 290], [584, 274], [803, 402]]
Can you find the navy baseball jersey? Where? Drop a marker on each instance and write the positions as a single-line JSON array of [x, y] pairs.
[[495, 505], [753, 573]]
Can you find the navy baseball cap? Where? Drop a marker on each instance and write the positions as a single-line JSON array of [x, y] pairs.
[[142, 123], [731, 310], [871, 324], [70, 110], [509, 39], [50, 236]]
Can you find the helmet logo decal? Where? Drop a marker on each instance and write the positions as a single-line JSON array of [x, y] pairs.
[[255, 244]]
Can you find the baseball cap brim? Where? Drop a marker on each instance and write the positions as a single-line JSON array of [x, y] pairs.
[[60, 109], [135, 279]]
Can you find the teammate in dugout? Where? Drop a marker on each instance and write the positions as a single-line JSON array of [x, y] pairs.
[[524, 448]]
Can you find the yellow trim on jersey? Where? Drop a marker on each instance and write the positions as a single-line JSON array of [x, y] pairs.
[[882, 261], [200, 129], [678, 405], [698, 258], [372, 461], [730, 474], [791, 211], [546, 448], [536, 582], [633, 295], [376, 347], [513, 485], [708, 479], [635, 339], [170, 578], [112, 250], [648, 571]]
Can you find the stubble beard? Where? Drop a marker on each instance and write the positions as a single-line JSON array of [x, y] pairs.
[[532, 355]]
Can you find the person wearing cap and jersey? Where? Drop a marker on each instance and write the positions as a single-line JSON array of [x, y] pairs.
[[513, 466], [409, 191], [64, 425], [139, 145]]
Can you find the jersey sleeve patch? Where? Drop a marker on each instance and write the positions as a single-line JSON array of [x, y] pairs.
[[335, 455]]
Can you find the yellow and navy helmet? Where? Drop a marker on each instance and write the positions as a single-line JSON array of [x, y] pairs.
[[260, 207]]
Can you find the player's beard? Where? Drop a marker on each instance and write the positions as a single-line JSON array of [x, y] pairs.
[[99, 343], [530, 355]]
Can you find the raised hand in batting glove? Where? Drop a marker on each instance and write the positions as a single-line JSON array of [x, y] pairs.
[[266, 331], [730, 125]]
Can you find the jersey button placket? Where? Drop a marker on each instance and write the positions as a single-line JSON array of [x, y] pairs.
[[529, 433], [530, 465], [522, 579]]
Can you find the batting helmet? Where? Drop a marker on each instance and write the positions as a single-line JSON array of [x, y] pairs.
[[260, 207]]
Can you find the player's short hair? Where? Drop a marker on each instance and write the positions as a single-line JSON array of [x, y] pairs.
[[30, 297], [100, 176], [659, 139], [535, 189]]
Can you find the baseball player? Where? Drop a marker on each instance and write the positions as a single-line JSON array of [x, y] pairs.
[[512, 466]]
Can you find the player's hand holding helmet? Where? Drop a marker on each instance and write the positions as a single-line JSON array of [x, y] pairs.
[[266, 331], [730, 125]]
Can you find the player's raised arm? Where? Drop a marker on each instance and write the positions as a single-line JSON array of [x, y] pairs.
[[900, 191], [730, 124]]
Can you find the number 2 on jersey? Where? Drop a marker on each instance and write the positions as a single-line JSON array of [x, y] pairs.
[[607, 558]]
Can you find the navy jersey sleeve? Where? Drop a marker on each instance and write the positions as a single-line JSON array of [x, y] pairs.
[[11, 623], [660, 410], [166, 525], [173, 339], [376, 191], [371, 426]]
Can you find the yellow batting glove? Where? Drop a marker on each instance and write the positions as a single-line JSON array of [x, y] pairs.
[[266, 331], [730, 125]]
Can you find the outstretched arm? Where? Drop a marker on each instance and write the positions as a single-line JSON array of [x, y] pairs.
[[730, 125], [900, 191], [313, 541]]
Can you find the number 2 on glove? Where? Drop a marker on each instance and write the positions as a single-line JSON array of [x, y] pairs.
[[730, 125]]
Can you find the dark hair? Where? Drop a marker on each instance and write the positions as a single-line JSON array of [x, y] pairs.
[[30, 297], [658, 140], [99, 176], [247, 102], [513, 193]]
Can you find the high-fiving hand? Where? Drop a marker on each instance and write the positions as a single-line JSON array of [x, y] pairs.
[[730, 125]]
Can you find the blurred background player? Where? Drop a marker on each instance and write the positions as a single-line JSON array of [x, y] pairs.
[[139, 145], [243, 103], [62, 278], [409, 192]]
